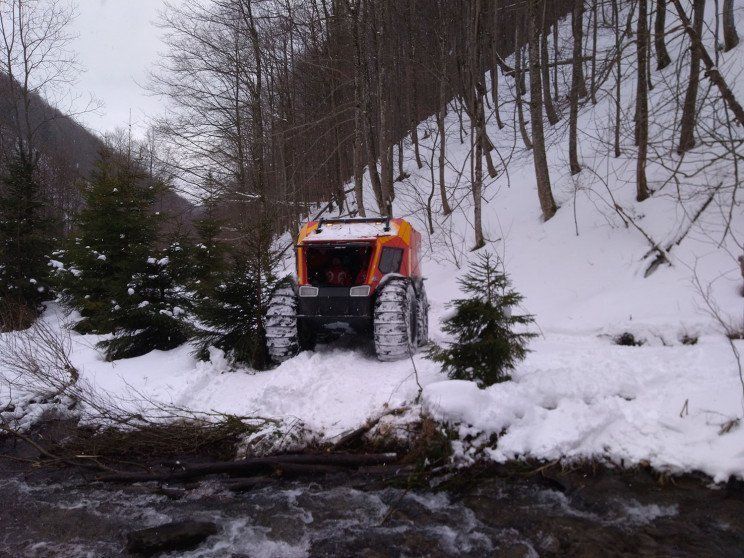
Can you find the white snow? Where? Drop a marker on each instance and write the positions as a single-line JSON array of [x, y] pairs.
[[346, 231], [577, 395]]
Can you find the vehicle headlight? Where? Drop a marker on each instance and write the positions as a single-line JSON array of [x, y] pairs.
[[361, 290], [307, 290]]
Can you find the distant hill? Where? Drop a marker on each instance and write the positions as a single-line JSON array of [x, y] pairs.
[[69, 153]]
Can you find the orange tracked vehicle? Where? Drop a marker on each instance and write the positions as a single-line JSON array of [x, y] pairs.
[[360, 275]]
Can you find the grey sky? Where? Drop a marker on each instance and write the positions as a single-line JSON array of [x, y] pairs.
[[116, 48]]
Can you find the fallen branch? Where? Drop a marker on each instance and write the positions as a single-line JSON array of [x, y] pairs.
[[283, 465], [661, 255], [357, 434]]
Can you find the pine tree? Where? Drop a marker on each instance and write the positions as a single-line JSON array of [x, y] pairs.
[[489, 339], [231, 317], [208, 256], [116, 233], [153, 314], [25, 241]]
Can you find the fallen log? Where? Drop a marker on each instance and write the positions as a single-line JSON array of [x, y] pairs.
[[281, 465], [247, 485]]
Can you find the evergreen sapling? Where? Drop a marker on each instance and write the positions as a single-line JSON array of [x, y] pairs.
[[153, 314], [230, 314], [489, 339]]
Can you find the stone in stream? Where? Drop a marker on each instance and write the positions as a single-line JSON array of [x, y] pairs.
[[179, 535]]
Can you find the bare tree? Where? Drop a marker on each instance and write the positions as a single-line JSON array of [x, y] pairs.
[[381, 40], [578, 86], [35, 60], [441, 111], [495, 64], [353, 11], [618, 76], [662, 56], [642, 101], [593, 74], [689, 108], [730, 36], [519, 88], [476, 107], [542, 174], [545, 68]]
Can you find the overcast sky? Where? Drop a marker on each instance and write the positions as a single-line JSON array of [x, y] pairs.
[[116, 48]]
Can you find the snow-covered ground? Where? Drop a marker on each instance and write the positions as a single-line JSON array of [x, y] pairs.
[[578, 394]]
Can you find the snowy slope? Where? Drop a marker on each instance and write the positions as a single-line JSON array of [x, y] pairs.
[[577, 395]]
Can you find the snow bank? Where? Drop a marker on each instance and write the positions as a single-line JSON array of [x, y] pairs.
[[576, 397]]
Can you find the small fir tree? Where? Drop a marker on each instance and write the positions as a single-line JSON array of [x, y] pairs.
[[489, 339], [231, 317], [25, 240], [115, 235], [153, 314]]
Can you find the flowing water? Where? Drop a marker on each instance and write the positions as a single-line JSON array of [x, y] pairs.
[[603, 514]]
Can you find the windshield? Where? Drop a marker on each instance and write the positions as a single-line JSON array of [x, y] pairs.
[[345, 265]]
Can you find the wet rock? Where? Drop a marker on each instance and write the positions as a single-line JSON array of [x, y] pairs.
[[179, 535]]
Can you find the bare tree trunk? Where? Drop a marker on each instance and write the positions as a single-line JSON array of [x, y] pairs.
[[642, 101], [401, 171], [578, 87], [475, 92], [689, 109], [374, 176], [730, 36], [478, 195], [618, 80], [577, 27], [495, 66], [542, 174], [383, 96], [556, 96], [485, 140], [457, 104], [519, 74], [446, 209], [662, 56], [358, 160], [593, 78], [441, 113], [545, 69], [364, 140], [629, 20], [494, 72], [413, 107], [713, 73]]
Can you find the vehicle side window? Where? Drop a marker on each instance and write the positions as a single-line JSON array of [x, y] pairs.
[[390, 260]]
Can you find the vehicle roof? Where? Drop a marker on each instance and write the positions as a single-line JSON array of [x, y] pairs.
[[339, 230]]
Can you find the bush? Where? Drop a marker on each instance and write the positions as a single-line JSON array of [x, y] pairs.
[[487, 344], [627, 339]]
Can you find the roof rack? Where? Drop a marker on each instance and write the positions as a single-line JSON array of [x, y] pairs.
[[385, 220]]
